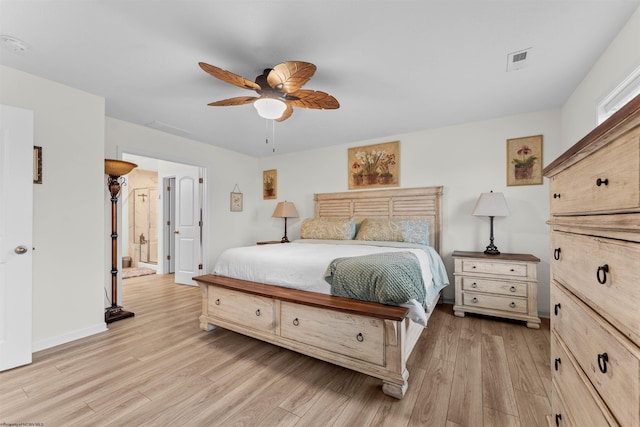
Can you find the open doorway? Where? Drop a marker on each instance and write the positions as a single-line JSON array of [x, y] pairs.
[[162, 211]]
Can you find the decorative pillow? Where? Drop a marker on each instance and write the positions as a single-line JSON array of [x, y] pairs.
[[398, 230], [328, 228]]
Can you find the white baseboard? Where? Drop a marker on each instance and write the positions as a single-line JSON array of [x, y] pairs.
[[68, 337]]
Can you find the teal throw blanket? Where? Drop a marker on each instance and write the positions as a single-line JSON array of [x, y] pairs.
[[388, 278]]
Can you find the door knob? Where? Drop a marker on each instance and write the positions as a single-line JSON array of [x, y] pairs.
[[176, 232], [20, 250]]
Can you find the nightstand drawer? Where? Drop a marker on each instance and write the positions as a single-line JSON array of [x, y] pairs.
[[500, 287], [494, 302], [494, 267]]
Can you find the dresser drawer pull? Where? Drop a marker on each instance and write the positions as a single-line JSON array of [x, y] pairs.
[[558, 419], [360, 337], [557, 363], [556, 308], [599, 182], [602, 278], [258, 312], [602, 362], [556, 195], [474, 285], [218, 301], [296, 322], [512, 304], [513, 289], [474, 300], [556, 254]]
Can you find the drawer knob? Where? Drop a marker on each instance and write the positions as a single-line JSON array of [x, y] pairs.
[[602, 362], [599, 182], [602, 278], [258, 312], [556, 195], [296, 322], [512, 304], [474, 285], [474, 300], [556, 308], [513, 289], [558, 419], [556, 254], [557, 363], [218, 301], [360, 337]]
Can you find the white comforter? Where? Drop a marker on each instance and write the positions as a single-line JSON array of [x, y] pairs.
[[301, 265]]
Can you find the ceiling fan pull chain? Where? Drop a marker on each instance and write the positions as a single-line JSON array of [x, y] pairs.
[[273, 135], [266, 131]]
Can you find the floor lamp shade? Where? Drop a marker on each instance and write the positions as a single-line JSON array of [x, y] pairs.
[[285, 210], [114, 169], [491, 204]]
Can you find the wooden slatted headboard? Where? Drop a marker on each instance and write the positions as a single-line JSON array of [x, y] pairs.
[[399, 203]]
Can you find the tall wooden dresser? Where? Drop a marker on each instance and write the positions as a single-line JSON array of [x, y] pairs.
[[595, 276]]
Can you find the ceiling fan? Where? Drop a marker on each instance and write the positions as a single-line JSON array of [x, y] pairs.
[[279, 90]]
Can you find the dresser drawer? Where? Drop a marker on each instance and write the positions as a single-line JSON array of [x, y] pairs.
[[617, 166], [585, 261], [586, 406], [559, 415], [494, 302], [515, 269], [511, 288], [347, 334], [241, 308], [608, 359]]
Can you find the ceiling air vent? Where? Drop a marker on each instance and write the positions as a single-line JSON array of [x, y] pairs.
[[518, 60]]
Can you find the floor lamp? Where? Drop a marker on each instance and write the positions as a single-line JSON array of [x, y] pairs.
[[114, 169]]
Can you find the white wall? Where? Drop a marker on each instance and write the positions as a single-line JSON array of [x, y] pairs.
[[68, 231], [617, 62], [467, 160]]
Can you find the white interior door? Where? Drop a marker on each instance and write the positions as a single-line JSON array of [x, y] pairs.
[[187, 232], [16, 216]]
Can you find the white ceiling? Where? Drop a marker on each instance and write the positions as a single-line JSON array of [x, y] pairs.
[[394, 66]]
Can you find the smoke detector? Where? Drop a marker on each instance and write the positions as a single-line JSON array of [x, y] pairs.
[[518, 60], [13, 44]]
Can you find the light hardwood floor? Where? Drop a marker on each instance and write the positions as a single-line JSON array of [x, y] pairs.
[[160, 369]]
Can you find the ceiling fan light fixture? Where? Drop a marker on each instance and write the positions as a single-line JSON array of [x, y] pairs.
[[270, 108]]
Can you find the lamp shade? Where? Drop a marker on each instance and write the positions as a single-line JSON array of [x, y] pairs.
[[270, 108], [118, 167], [285, 210], [491, 204]]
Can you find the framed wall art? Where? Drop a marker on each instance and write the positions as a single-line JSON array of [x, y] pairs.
[[37, 165], [374, 166], [524, 160], [236, 200], [270, 184]]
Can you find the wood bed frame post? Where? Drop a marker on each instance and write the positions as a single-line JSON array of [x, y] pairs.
[[205, 325]]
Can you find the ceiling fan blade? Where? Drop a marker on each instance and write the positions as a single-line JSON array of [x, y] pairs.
[[287, 113], [312, 99], [290, 76], [240, 100], [229, 77]]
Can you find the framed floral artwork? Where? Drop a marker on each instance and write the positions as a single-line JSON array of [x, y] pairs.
[[270, 184], [524, 160], [374, 166]]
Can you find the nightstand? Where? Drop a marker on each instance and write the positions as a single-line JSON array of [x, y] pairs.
[[504, 285], [268, 242]]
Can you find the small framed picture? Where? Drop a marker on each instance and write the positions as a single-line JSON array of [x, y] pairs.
[[524, 160], [236, 202], [270, 184], [37, 165]]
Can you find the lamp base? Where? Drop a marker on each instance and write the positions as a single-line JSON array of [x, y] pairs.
[[492, 250], [113, 314], [284, 240]]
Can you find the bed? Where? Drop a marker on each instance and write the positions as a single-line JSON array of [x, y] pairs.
[[299, 313]]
